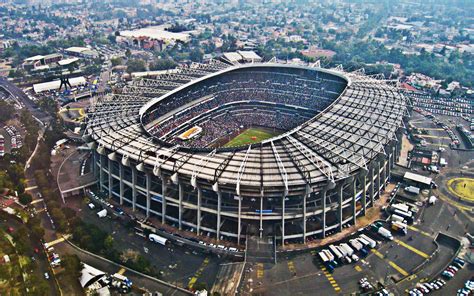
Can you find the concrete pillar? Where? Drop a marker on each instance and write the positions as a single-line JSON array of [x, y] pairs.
[[148, 195], [324, 212], [180, 205], [305, 196], [101, 172], [110, 177], [340, 195], [283, 220], [260, 229], [163, 199], [239, 222], [134, 187], [364, 194], [94, 164], [354, 203], [121, 176], [372, 186], [378, 180], [198, 223], [219, 206]]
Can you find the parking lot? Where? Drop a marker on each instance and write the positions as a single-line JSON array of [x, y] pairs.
[[178, 265]]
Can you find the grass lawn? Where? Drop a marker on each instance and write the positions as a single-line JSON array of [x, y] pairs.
[[251, 136]]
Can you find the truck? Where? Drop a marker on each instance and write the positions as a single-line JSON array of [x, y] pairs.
[[370, 241], [407, 215], [102, 213], [401, 207], [327, 260], [412, 189], [349, 251], [397, 218], [157, 239], [385, 233], [357, 245], [339, 256], [399, 227], [345, 257]]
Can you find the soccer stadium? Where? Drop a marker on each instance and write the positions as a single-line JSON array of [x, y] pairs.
[[264, 149]]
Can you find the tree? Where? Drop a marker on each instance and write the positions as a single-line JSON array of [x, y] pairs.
[[6, 111], [116, 61], [162, 64], [72, 264], [135, 65], [196, 55], [25, 198]]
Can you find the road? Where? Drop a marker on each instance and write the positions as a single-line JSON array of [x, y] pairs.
[[18, 94]]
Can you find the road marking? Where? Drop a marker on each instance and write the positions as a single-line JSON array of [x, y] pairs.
[[259, 270], [434, 137], [330, 278], [454, 203], [430, 129], [419, 231], [391, 263], [198, 273], [121, 271], [358, 268], [398, 268], [414, 250], [291, 267], [31, 188], [36, 201], [57, 241], [377, 253]]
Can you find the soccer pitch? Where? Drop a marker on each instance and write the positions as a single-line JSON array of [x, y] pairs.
[[250, 136]]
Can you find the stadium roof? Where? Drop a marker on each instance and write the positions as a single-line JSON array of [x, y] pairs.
[[249, 55], [342, 139], [67, 61], [53, 85], [156, 32], [232, 56], [88, 273]]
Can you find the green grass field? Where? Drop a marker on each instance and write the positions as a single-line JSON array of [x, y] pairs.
[[247, 136]]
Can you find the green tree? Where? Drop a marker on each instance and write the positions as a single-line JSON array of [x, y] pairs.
[[25, 198], [136, 65], [72, 264]]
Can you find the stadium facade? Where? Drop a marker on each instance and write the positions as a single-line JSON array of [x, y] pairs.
[[330, 163]]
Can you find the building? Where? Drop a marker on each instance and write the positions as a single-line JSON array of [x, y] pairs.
[[82, 52], [315, 178]]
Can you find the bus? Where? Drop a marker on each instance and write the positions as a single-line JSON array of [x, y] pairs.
[[157, 239]]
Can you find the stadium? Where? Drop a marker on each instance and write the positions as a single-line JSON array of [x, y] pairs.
[[263, 149]]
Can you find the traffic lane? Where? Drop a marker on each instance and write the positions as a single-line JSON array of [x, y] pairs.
[[274, 279], [138, 280], [442, 217], [178, 264], [430, 269]]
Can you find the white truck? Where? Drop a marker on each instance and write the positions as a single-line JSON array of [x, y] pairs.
[[336, 252], [401, 207], [157, 239], [102, 213], [397, 218], [356, 244], [371, 242], [345, 255], [385, 233], [349, 251]]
